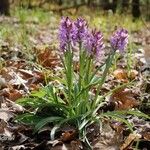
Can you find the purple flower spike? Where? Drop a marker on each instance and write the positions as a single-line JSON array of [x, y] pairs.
[[119, 40], [65, 33], [94, 43], [80, 30]]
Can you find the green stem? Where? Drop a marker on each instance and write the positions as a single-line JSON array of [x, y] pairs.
[[108, 64], [80, 65], [87, 75], [69, 74]]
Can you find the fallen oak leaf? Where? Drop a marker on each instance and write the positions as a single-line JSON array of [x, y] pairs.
[[26, 73], [15, 107], [17, 80], [34, 87], [146, 135], [68, 135], [129, 140], [12, 94], [118, 127], [47, 58], [32, 76], [39, 76], [124, 99], [3, 125], [5, 115], [3, 82], [121, 75], [6, 74], [76, 145], [16, 63], [109, 139]]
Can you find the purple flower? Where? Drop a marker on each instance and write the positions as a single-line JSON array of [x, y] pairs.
[[119, 40], [94, 43], [80, 30], [65, 33]]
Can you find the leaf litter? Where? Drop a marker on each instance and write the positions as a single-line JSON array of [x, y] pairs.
[[19, 77]]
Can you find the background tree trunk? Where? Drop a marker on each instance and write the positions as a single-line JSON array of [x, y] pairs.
[[105, 4], [136, 9], [4, 7], [114, 5], [124, 5], [89, 2], [148, 10]]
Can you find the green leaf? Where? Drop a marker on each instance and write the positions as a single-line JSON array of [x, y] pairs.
[[31, 102], [53, 109], [119, 118], [134, 112], [40, 93], [23, 101], [53, 131], [83, 124], [52, 92], [95, 80], [28, 118], [43, 122]]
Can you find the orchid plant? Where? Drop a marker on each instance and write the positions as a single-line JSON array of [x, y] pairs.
[[80, 103], [75, 37]]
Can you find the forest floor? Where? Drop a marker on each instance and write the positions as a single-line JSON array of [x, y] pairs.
[[29, 60]]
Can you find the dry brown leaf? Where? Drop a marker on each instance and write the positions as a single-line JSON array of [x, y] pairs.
[[146, 135], [109, 139], [3, 125], [124, 99], [121, 75], [5, 73], [3, 83], [34, 87], [26, 73], [76, 145], [47, 59], [18, 64], [133, 74], [5, 115], [15, 107], [39, 76], [68, 135], [12, 94], [118, 127], [130, 139], [32, 76]]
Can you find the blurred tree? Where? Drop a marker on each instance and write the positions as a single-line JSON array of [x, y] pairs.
[[124, 5], [107, 4], [148, 10], [4, 7], [136, 9], [114, 5], [60, 2], [89, 2]]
